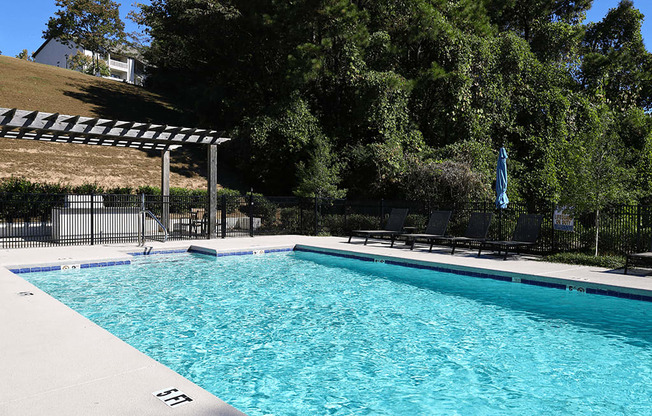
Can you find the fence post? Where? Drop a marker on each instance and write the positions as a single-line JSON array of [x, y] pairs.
[[93, 219], [141, 227], [638, 228], [553, 228], [346, 228], [223, 219], [316, 216], [300, 215], [251, 213]]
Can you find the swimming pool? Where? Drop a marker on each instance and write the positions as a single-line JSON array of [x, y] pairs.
[[305, 333]]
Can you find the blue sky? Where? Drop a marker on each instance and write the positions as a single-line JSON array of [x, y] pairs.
[[23, 21]]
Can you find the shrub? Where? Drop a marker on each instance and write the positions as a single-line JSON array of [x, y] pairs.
[[609, 262], [87, 189], [233, 199], [333, 224], [361, 222], [264, 209], [148, 190], [120, 190], [289, 220]]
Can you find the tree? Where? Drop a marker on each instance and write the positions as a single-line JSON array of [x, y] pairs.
[[597, 173], [615, 59], [524, 16], [93, 24], [374, 95], [87, 65], [25, 55]]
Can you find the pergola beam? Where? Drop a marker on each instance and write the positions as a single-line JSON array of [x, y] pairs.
[[27, 134], [109, 130]]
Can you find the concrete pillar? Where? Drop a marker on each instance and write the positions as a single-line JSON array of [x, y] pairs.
[[212, 191], [165, 188]]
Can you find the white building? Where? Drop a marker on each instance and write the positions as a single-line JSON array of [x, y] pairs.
[[123, 62]]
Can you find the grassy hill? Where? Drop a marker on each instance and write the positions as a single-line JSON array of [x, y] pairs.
[[31, 86]]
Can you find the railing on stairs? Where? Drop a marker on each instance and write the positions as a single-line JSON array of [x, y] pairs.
[[141, 229]]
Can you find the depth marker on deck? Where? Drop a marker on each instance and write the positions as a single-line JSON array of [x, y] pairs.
[[172, 397]]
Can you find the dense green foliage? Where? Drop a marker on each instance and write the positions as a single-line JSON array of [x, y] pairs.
[[413, 99], [21, 186]]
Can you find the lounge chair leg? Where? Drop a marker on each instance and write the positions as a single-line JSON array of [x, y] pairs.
[[414, 240], [392, 245], [453, 250], [365, 240], [480, 250], [626, 263], [431, 244], [350, 237]]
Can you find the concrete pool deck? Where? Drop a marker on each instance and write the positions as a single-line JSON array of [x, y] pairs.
[[56, 362]]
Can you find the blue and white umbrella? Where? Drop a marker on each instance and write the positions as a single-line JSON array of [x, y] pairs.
[[501, 180]]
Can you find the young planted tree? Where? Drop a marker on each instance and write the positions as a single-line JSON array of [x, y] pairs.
[[92, 24], [597, 171], [87, 65]]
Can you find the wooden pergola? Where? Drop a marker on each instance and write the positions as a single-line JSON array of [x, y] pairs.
[[60, 128]]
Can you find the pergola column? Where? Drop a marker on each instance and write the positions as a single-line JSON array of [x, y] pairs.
[[165, 188], [212, 191]]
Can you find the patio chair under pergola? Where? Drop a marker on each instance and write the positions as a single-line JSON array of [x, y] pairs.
[[60, 128]]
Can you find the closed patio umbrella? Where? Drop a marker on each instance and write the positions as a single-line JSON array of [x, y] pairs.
[[501, 180], [501, 188]]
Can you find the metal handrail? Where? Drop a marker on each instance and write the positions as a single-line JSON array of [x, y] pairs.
[[141, 233]]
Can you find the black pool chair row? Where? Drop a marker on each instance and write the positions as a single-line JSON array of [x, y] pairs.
[[392, 229], [436, 228], [526, 233], [639, 259]]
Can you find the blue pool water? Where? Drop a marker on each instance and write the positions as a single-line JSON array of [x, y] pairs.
[[310, 334]]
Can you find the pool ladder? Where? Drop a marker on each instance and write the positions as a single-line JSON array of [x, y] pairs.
[[141, 229]]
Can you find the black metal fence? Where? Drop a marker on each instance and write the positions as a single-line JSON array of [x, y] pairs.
[[37, 220]]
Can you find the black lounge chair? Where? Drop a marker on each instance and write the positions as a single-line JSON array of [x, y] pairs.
[[639, 258], [526, 233], [436, 228], [392, 229], [476, 230]]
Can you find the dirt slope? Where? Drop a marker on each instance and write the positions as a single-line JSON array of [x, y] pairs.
[[31, 86]]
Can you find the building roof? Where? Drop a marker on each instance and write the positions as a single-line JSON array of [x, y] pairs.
[[41, 47], [124, 50]]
